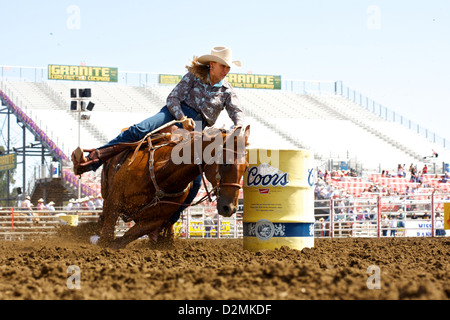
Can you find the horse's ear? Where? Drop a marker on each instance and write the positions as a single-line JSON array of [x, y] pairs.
[[247, 133]]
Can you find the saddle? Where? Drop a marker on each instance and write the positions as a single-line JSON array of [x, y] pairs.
[[96, 157]]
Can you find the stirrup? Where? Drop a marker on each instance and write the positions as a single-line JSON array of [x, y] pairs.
[[81, 164]]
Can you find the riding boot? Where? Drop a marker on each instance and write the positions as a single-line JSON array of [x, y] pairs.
[[95, 159]]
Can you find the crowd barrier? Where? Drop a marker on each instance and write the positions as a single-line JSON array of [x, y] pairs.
[[374, 217], [420, 215], [200, 222]]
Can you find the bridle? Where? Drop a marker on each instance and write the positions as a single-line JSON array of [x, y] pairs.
[[160, 193], [218, 176]]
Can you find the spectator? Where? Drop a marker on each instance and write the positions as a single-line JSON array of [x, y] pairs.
[[98, 202], [40, 205], [50, 206], [400, 171], [393, 225], [84, 203], [90, 203], [69, 206], [384, 225], [439, 224], [26, 204], [207, 224]]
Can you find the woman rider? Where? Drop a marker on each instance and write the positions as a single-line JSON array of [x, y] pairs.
[[199, 98]]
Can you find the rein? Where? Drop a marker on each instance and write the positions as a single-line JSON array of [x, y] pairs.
[[160, 193]]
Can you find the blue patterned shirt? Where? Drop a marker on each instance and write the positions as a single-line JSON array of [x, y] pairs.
[[204, 98]]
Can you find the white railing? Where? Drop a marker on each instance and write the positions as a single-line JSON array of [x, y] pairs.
[[199, 222], [417, 215]]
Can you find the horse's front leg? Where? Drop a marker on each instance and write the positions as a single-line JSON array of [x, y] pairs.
[[139, 229], [109, 220]]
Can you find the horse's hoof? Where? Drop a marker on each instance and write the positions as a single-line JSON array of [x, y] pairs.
[[94, 239]]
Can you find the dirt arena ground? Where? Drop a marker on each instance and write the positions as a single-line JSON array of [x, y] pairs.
[[411, 268]]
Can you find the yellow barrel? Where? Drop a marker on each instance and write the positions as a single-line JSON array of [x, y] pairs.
[[71, 220], [279, 199]]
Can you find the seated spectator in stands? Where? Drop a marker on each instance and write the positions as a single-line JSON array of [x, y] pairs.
[[413, 177], [419, 178], [84, 203], [425, 169], [407, 190], [76, 204], [320, 174], [443, 179], [90, 203], [426, 215], [360, 216], [414, 216], [340, 216], [69, 206], [98, 202], [40, 205], [400, 171], [50, 206]]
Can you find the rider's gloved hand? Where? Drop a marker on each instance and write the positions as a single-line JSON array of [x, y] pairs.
[[188, 123]]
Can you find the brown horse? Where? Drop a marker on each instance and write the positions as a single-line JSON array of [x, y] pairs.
[[148, 185]]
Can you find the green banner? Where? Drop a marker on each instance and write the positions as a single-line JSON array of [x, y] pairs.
[[169, 78], [237, 80], [8, 162], [82, 73], [254, 81]]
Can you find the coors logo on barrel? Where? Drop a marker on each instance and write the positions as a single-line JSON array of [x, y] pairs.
[[265, 175]]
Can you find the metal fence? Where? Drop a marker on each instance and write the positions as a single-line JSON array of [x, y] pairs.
[[374, 216], [195, 223], [416, 215]]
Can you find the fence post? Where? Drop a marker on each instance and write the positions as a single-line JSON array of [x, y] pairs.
[[331, 218], [378, 216], [12, 218], [432, 213], [188, 227]]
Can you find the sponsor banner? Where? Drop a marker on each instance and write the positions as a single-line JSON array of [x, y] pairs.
[[254, 81], [237, 80], [169, 78], [422, 228], [197, 228], [8, 162], [447, 216], [82, 73]]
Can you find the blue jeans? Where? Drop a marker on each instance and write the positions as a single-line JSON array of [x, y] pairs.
[[138, 131]]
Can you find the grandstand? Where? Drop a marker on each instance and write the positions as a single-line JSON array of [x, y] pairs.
[[335, 127]]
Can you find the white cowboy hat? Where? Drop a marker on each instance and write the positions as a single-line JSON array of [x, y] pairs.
[[221, 55]]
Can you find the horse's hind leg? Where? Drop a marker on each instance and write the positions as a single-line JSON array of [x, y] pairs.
[[139, 229]]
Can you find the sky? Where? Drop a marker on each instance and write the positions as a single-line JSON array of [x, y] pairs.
[[395, 52]]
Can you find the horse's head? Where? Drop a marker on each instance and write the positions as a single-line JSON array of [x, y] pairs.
[[226, 171]]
